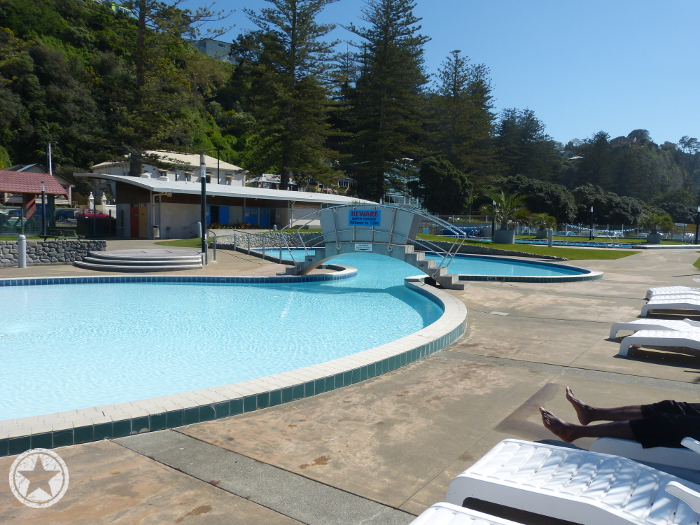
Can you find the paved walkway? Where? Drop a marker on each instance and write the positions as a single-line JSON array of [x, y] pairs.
[[383, 450]]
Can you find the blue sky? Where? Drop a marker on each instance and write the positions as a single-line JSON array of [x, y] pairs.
[[582, 67]]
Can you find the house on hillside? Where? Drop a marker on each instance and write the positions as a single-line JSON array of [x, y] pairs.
[[165, 201], [215, 48]]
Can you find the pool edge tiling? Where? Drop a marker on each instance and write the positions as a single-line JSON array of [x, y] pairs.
[[123, 419]]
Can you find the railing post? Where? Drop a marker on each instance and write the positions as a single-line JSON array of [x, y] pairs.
[[248, 235]]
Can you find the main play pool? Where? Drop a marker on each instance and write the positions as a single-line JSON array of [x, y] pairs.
[[73, 346]]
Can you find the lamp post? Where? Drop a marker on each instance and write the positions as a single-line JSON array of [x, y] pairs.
[[218, 154], [697, 225], [203, 181], [43, 209], [590, 233], [493, 221]]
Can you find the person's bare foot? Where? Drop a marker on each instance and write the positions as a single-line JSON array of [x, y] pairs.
[[583, 411], [565, 431]]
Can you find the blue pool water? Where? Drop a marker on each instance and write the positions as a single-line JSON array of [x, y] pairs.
[[473, 265], [65, 347]]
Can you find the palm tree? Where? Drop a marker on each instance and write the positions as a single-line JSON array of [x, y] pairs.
[[507, 208], [657, 222]]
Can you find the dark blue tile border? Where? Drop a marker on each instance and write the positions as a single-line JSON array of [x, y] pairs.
[[206, 279]]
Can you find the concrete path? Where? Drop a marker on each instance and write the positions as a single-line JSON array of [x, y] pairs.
[[387, 448]]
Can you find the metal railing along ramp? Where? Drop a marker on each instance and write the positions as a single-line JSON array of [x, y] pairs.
[[152, 260], [377, 228]]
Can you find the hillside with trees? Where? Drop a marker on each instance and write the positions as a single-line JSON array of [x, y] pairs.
[[100, 81]]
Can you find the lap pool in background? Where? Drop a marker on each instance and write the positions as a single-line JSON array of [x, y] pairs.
[[66, 347], [473, 265]]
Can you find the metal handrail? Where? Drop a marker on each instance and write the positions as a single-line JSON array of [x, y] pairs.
[[424, 243]]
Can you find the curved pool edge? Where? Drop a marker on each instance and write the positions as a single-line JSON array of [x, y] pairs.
[[159, 413], [585, 275]]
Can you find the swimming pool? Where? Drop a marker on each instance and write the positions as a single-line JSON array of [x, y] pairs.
[[74, 346], [476, 265]]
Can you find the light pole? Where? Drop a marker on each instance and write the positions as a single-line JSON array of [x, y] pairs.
[[493, 221], [218, 154], [590, 233], [43, 209], [203, 181], [697, 225]]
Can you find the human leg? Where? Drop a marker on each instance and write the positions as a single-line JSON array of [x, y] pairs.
[[569, 432], [587, 414]]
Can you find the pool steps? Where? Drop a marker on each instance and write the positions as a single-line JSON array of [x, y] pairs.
[[112, 262]]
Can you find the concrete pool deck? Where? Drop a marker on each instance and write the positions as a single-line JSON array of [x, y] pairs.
[[385, 449]]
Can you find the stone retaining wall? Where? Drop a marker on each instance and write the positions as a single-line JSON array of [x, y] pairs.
[[268, 240], [49, 252]]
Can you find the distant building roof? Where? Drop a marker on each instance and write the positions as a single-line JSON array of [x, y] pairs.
[[181, 160], [29, 182], [194, 188]]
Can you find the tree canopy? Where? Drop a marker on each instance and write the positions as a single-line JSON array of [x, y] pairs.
[[101, 81], [443, 189]]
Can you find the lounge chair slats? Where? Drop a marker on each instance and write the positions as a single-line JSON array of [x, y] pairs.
[[448, 514], [654, 324], [671, 302], [665, 290], [574, 485], [662, 338], [675, 457]]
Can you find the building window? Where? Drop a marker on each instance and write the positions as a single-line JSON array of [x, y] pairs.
[[188, 176]]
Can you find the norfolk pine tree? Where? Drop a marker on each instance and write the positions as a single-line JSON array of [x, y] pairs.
[[147, 103], [385, 107], [287, 91], [463, 117]]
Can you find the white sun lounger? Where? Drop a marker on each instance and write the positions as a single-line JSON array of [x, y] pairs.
[[664, 338], [687, 458], [448, 514], [671, 302], [686, 325], [665, 290], [577, 485]]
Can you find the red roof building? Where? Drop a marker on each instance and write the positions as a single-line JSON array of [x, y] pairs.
[[26, 182]]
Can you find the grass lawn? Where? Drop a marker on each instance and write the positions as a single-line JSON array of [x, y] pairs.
[[573, 254], [697, 264]]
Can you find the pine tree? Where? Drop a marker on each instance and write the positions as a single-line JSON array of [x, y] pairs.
[[385, 107], [147, 102], [463, 121], [285, 83], [523, 147]]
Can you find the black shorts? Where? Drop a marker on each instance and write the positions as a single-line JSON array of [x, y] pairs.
[[666, 423]]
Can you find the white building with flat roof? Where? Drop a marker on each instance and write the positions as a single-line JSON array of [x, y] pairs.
[[166, 201]]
